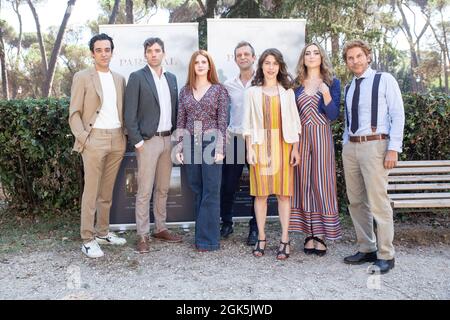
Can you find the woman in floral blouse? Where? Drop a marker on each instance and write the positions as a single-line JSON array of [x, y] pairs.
[[202, 120]]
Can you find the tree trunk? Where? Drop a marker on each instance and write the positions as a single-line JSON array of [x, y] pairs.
[[414, 59], [202, 6], [56, 49], [445, 73], [253, 10], [446, 52], [210, 8], [443, 69], [129, 11], [3, 66], [26, 183], [44, 63], [15, 6], [415, 53], [202, 28], [443, 46], [335, 46], [334, 36], [115, 10], [414, 65]]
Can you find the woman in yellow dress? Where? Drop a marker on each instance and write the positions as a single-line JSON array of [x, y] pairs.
[[271, 129]]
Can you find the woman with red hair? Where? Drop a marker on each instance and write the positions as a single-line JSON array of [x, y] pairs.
[[202, 116]]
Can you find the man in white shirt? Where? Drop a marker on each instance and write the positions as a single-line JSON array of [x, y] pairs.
[[95, 118], [244, 56], [373, 138], [151, 106]]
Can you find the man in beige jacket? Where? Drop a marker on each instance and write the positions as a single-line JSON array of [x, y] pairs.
[[96, 121]]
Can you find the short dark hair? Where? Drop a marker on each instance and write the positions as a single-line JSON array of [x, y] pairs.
[[98, 37], [151, 41], [244, 44]]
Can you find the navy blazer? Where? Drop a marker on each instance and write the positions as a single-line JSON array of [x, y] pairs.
[[332, 109]]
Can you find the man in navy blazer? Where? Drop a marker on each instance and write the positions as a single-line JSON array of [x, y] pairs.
[[151, 106]]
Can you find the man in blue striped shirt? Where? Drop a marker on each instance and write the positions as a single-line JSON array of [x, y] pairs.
[[372, 139]]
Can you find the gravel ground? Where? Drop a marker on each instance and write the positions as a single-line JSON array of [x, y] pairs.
[[175, 271]]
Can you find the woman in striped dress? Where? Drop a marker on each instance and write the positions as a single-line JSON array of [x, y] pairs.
[[271, 128], [314, 204]]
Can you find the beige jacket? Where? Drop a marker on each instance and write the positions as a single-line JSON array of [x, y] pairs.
[[253, 125], [86, 100]]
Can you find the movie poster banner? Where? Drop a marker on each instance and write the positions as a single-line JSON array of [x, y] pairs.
[[180, 41], [287, 35]]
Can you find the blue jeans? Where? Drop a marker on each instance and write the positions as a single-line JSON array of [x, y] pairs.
[[205, 180]]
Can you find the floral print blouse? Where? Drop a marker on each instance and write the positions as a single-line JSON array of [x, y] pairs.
[[210, 113]]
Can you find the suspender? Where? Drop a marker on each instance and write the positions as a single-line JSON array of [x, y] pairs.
[[374, 108], [374, 115]]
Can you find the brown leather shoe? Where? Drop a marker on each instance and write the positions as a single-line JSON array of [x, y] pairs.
[[167, 236], [143, 244]]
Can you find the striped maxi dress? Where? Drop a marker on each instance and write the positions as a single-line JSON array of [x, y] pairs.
[[272, 173], [314, 208]]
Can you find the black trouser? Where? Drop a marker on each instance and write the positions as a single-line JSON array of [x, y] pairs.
[[231, 174]]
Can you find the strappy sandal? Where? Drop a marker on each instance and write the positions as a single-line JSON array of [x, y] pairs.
[[320, 252], [309, 250], [281, 253], [258, 251]]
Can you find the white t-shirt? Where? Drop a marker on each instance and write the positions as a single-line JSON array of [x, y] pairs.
[[108, 118]]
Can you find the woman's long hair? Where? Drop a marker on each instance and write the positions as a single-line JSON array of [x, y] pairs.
[[326, 69], [212, 73], [283, 77]]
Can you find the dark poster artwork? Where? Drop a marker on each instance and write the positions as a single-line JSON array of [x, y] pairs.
[[180, 201]]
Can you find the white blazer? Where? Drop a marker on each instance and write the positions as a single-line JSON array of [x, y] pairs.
[[253, 125]]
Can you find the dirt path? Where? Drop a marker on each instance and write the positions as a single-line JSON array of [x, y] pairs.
[[175, 271]]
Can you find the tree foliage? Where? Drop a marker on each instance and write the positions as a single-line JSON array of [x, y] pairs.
[[27, 57]]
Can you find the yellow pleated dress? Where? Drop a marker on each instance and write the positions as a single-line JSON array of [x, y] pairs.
[[272, 174]]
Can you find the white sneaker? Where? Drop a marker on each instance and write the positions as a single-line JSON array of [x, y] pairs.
[[111, 238], [92, 249]]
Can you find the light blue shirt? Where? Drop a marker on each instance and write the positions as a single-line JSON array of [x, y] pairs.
[[236, 90], [391, 115]]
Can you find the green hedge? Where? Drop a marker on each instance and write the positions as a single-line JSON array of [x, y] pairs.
[[427, 127], [39, 173], [426, 135]]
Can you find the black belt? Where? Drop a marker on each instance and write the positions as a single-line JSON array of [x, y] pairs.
[[368, 138], [163, 133]]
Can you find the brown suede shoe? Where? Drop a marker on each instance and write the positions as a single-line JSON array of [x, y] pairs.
[[143, 244], [167, 236]]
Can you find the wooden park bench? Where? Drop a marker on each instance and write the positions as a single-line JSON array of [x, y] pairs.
[[420, 184]]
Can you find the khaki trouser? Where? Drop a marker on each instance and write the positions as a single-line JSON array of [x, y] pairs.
[[154, 167], [366, 181], [102, 155]]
